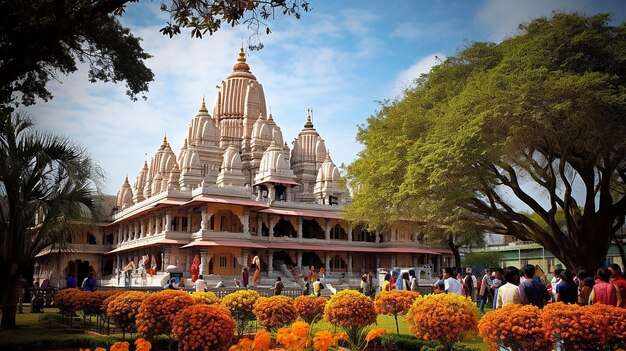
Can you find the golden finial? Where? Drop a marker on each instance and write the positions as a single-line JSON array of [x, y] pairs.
[[164, 143], [241, 64], [203, 107], [309, 123]]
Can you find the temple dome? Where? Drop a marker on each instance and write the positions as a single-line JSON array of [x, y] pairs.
[[125, 195], [308, 146]]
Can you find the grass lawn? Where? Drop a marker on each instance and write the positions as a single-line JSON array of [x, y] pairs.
[[40, 332]]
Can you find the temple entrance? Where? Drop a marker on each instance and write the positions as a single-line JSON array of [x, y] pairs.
[[79, 268], [284, 228], [281, 257], [312, 230], [311, 259]]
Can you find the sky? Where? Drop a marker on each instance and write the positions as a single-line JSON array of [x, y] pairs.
[[341, 59]]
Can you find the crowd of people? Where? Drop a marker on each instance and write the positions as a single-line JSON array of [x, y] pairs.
[[500, 287]]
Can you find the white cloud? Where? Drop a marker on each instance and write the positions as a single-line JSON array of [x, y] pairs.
[[405, 78]]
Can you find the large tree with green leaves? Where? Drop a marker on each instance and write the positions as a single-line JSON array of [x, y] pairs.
[[41, 39], [47, 185], [534, 124]]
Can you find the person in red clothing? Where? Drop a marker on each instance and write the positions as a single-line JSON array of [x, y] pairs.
[[604, 292], [618, 280]]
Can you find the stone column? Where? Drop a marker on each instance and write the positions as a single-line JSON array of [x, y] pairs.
[[189, 223], [259, 224], [299, 260], [271, 228], [168, 221], [204, 222], [168, 255], [245, 254], [270, 262], [204, 263], [119, 238], [246, 222], [327, 229], [393, 260], [415, 260], [300, 223], [327, 263], [349, 262], [350, 232]]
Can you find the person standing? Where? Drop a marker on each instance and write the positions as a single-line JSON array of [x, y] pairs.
[[244, 277], [317, 287], [618, 280], [387, 283], [71, 281], [468, 285], [89, 283], [364, 285], [311, 275], [414, 283], [603, 291], [200, 284], [567, 290], [531, 290], [278, 286], [509, 292], [485, 290], [556, 279], [450, 283], [406, 283], [496, 283], [257, 272]]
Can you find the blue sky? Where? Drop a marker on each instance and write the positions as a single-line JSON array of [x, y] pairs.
[[340, 59]]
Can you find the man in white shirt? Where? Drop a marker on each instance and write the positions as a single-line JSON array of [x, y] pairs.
[[451, 285], [509, 292], [200, 284]]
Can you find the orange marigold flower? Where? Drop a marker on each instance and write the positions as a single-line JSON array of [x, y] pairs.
[[209, 326], [142, 344], [120, 346], [310, 308], [262, 341], [323, 340], [374, 333], [275, 312]]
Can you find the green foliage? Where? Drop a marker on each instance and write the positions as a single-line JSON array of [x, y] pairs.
[[46, 196], [404, 342], [485, 259], [540, 111]]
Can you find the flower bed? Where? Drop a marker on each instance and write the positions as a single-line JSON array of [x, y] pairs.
[[156, 313], [310, 308], [204, 327], [516, 327], [275, 312]]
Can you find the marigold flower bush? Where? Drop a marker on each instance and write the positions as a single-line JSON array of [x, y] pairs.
[[65, 300], [351, 310], [109, 296], [394, 303], [207, 298], [204, 327], [141, 344], [574, 327], [310, 308], [240, 304], [447, 318], [124, 308], [89, 302], [516, 327], [157, 311], [613, 324], [275, 312]]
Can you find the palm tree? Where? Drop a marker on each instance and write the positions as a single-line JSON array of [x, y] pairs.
[[46, 194]]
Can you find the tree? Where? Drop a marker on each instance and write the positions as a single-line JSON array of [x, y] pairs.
[[46, 195], [42, 38], [536, 120]]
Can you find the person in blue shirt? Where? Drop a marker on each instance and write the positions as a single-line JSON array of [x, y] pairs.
[[71, 281]]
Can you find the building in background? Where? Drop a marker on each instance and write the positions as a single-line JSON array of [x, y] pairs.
[[234, 191]]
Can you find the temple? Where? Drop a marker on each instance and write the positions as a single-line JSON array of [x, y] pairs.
[[236, 190]]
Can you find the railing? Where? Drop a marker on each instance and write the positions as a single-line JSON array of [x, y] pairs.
[[47, 294]]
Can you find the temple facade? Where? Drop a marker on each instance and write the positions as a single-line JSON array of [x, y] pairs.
[[236, 190]]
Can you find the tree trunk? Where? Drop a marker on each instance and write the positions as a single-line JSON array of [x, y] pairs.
[[10, 298], [455, 252], [620, 247]]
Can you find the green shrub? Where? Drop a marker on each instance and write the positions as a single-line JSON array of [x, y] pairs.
[[404, 342]]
